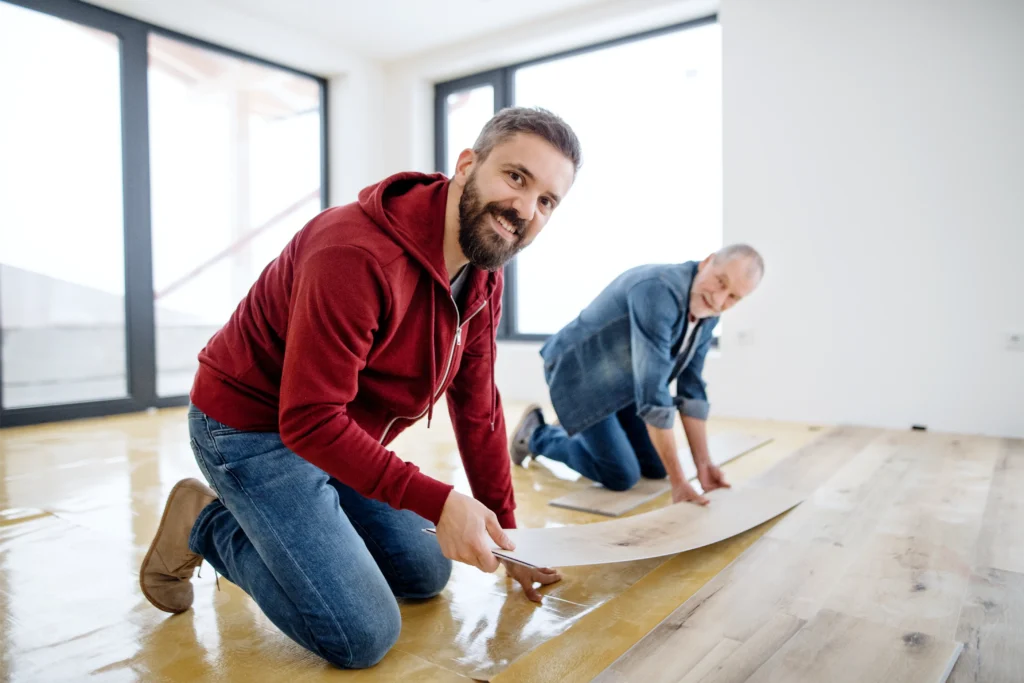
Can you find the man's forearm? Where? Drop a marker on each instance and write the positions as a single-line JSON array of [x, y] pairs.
[[664, 441], [697, 437]]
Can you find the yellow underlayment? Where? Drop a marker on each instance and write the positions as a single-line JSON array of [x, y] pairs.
[[91, 493]]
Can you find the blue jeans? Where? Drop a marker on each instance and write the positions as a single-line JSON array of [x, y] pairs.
[[614, 452], [324, 563]]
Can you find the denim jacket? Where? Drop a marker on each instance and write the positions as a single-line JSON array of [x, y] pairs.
[[625, 347]]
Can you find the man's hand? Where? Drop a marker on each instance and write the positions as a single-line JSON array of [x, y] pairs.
[[466, 529], [527, 576], [711, 477], [682, 492]]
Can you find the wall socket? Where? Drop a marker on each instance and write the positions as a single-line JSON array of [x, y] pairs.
[[1015, 341]]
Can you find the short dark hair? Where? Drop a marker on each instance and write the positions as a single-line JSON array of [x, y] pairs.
[[534, 121]]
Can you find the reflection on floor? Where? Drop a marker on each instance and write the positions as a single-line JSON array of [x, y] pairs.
[[80, 501]]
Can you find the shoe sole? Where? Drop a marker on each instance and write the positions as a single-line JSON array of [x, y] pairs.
[[185, 483], [519, 425]]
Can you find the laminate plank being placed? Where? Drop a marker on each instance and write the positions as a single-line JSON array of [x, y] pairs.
[[678, 528], [838, 648], [665, 531]]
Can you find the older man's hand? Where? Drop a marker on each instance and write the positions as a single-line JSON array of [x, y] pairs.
[[527, 576]]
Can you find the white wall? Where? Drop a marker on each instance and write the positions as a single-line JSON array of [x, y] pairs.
[[874, 153]]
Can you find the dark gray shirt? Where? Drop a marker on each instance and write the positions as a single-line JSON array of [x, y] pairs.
[[459, 284]]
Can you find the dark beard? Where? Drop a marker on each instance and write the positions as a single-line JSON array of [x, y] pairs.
[[479, 243]]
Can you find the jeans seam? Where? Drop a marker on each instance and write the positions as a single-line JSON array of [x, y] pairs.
[[288, 554], [213, 441]]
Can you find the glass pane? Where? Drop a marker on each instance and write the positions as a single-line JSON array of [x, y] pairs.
[[235, 158], [467, 111], [649, 117], [61, 212]]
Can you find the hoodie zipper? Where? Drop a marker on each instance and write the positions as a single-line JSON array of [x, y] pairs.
[[451, 356]]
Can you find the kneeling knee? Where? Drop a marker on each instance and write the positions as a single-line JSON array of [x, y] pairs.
[[429, 578], [368, 640], [621, 481]]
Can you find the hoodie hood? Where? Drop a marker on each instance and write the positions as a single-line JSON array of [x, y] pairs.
[[411, 208]]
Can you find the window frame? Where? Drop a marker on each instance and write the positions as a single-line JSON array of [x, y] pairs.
[[140, 313], [503, 81]]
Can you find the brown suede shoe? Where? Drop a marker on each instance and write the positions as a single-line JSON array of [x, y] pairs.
[[166, 572]]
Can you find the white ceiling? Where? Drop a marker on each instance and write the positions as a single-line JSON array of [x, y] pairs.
[[392, 29]]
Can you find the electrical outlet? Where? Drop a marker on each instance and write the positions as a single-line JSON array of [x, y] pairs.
[[1015, 341]]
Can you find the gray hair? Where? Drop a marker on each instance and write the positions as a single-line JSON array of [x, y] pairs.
[[735, 251], [534, 121]]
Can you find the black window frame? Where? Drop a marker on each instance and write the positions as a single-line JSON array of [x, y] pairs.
[[140, 327], [503, 81]]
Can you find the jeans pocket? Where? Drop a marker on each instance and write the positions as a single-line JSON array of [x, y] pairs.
[[235, 447]]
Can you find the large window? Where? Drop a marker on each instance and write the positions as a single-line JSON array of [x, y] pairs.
[[242, 142], [647, 111], [146, 179], [61, 212]]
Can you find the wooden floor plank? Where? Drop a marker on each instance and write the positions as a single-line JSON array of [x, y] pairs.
[[992, 629], [1001, 545], [772, 576], [887, 540], [913, 571], [748, 657], [713, 661], [814, 464], [838, 648], [846, 507]]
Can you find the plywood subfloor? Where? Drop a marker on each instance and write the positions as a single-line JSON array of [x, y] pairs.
[[90, 494]]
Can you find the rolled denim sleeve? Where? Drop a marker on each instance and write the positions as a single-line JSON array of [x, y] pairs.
[[691, 390], [653, 313]]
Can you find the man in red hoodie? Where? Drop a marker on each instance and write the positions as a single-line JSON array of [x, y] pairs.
[[372, 312]]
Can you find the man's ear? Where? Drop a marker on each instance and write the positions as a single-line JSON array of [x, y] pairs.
[[463, 165]]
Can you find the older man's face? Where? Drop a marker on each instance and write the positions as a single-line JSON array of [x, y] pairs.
[[720, 286]]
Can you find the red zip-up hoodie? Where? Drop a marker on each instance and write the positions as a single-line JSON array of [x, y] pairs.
[[351, 335]]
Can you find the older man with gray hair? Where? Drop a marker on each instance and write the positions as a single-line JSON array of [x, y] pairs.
[[609, 370]]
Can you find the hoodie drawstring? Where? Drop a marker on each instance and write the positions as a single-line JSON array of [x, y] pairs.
[[490, 349], [490, 352], [433, 362]]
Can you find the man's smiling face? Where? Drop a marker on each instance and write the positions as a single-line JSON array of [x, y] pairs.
[[508, 198]]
